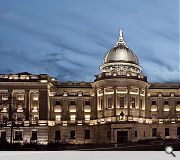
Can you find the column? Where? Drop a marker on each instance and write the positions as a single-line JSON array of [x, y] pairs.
[[27, 104], [128, 102], [115, 103], [94, 107], [147, 110], [139, 99], [103, 104]]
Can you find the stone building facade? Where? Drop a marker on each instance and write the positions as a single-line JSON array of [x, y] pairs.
[[119, 106]]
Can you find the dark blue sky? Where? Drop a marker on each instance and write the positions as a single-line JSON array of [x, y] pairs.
[[68, 39]]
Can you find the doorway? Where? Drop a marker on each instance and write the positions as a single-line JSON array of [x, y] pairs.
[[122, 136]]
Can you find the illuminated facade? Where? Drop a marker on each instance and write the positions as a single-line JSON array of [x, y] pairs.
[[119, 106]]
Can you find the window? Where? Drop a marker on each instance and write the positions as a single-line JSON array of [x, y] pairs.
[[57, 103], [57, 135], [178, 131], [133, 103], [109, 102], [108, 134], [72, 134], [18, 136], [34, 135], [72, 103], [87, 117], [178, 102], [140, 103], [87, 134], [144, 134], [154, 132], [167, 132], [165, 102], [121, 102], [87, 103], [72, 117], [101, 103], [135, 133], [58, 117], [153, 102], [3, 135]]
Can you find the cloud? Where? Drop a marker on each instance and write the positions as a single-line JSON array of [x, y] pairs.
[[69, 39]]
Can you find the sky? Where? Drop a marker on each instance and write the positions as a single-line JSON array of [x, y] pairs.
[[68, 39]]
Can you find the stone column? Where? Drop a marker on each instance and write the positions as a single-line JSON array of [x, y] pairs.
[[80, 109], [128, 102], [94, 106], [115, 103], [104, 103], [140, 102], [65, 110], [27, 104], [147, 110], [10, 101]]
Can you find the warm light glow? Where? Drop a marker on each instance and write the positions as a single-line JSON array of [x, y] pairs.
[[43, 81], [20, 109], [166, 108], [87, 109], [72, 108], [4, 110], [58, 118], [153, 108], [5, 97], [57, 109], [72, 117], [87, 117], [35, 97], [64, 123], [178, 107], [20, 97], [35, 109]]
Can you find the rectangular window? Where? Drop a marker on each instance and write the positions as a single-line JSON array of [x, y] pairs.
[[153, 102], [87, 134], [109, 102], [167, 132], [165, 102], [121, 102], [178, 102], [144, 134], [135, 133], [101, 103], [18, 136], [73, 117], [140, 103], [3, 135], [72, 134], [34, 135], [57, 135], [58, 118], [133, 103], [72, 103], [154, 132], [58, 103], [87, 103], [108, 134], [178, 131]]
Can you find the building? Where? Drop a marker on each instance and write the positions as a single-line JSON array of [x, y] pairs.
[[119, 106]]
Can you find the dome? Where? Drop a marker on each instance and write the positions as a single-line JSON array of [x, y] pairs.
[[121, 53], [120, 58]]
